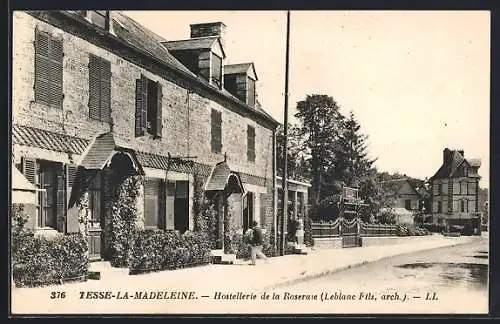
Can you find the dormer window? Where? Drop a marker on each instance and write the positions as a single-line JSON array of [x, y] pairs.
[[99, 18], [239, 80], [203, 53]]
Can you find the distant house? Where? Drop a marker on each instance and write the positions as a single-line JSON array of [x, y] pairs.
[[455, 189], [400, 193]]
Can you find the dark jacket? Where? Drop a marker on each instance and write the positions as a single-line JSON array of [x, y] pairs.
[[257, 236]]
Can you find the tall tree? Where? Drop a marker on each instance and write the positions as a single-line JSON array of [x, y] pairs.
[[298, 165], [319, 126], [353, 164]]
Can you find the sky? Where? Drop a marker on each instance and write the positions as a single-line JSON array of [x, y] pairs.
[[417, 81]]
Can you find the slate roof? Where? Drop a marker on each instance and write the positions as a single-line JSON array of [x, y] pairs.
[[192, 43], [218, 177], [137, 35], [449, 167], [30, 136], [239, 68]]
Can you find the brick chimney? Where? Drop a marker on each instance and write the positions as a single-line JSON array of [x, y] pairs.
[[209, 29], [447, 155]]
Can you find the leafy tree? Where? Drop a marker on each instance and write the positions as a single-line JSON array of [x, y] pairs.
[[319, 127], [297, 163]]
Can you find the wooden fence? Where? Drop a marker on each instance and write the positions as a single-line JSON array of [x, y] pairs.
[[342, 227]]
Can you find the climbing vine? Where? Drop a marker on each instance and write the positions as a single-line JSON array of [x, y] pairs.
[[205, 210], [123, 220]]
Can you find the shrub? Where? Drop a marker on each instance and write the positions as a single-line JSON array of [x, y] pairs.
[[38, 261], [42, 261], [308, 239], [154, 250]]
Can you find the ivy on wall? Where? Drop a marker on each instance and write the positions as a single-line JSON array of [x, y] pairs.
[[123, 220], [205, 210]]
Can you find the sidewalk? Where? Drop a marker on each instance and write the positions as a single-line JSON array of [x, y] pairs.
[[207, 280]]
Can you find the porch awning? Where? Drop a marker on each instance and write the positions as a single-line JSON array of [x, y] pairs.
[[102, 149], [222, 177], [19, 181]]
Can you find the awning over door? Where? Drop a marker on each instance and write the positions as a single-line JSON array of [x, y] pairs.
[[222, 177], [102, 149]]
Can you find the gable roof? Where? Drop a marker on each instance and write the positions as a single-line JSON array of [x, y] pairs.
[[241, 68], [450, 166], [393, 186], [194, 43]]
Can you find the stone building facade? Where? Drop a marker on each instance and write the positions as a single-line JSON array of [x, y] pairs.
[[95, 93]]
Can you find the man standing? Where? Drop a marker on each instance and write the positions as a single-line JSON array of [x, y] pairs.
[[257, 243]]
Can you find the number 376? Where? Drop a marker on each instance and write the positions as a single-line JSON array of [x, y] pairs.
[[57, 294]]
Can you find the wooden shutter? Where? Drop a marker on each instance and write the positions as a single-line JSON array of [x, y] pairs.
[[161, 205], [169, 201], [29, 169], [140, 106], [159, 110], [251, 143], [72, 224], [94, 87], [263, 209], [216, 127], [60, 197], [151, 203], [56, 72], [105, 91], [42, 69]]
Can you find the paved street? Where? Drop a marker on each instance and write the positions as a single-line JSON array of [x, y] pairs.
[[454, 278], [238, 288]]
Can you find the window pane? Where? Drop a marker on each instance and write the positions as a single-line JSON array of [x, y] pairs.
[[216, 70], [181, 189]]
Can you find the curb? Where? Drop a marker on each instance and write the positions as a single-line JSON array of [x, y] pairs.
[[350, 266]]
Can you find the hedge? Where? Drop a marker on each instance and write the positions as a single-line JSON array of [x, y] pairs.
[[39, 261], [411, 231], [155, 250]]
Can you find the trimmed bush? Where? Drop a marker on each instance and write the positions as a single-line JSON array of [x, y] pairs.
[[155, 250], [38, 261]]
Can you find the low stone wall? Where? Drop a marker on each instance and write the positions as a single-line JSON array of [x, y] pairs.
[[328, 243], [390, 240], [336, 242]]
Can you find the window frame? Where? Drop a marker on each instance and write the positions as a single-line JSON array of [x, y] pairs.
[[216, 131]]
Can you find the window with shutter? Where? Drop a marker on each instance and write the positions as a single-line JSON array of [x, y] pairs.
[[181, 206], [216, 130], [72, 223], [148, 107], [251, 144], [170, 201], [153, 210], [99, 88], [48, 70]]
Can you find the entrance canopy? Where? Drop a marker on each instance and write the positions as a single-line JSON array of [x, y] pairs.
[[102, 149], [223, 178]]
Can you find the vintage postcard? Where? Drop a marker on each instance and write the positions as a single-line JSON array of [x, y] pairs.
[[250, 162]]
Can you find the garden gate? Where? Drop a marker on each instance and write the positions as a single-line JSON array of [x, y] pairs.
[[349, 227]]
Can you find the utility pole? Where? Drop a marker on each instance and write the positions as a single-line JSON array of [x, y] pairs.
[[284, 179]]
